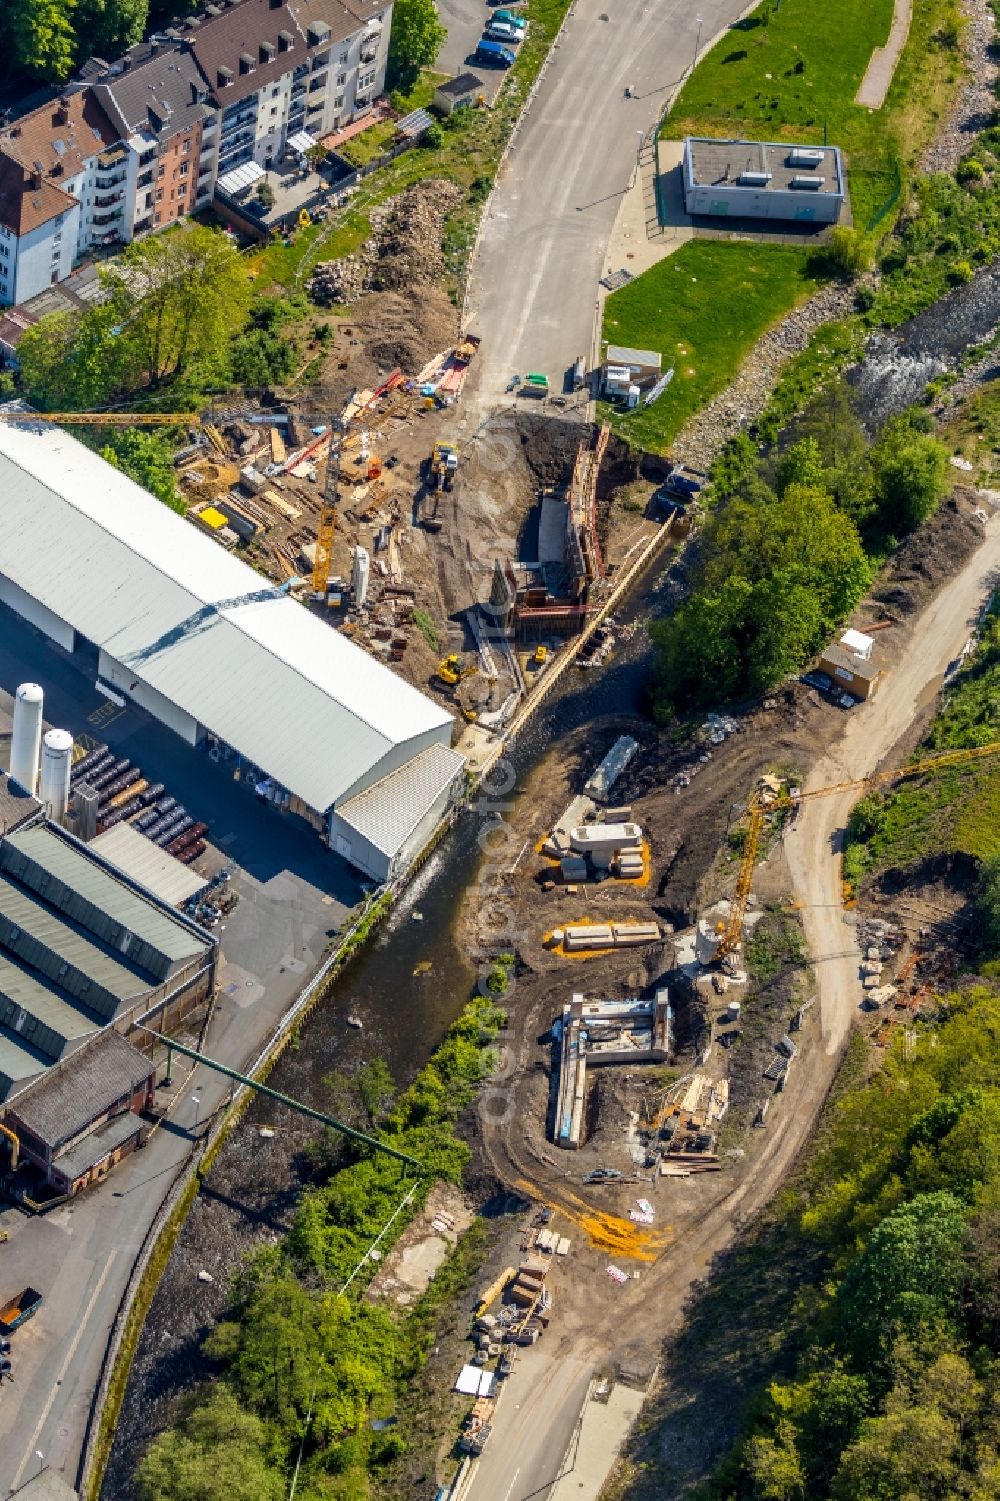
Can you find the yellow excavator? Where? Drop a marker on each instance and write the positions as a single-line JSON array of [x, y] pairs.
[[772, 795], [451, 671]]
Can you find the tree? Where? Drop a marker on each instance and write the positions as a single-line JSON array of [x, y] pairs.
[[218, 1455], [910, 1273], [70, 362], [415, 40], [989, 905], [802, 464], [376, 1088], [910, 471], [184, 292], [42, 37], [146, 458], [105, 28]]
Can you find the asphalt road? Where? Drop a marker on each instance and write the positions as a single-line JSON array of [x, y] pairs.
[[294, 895], [533, 287]]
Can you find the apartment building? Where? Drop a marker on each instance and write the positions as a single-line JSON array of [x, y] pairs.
[[137, 144], [157, 99], [61, 185]]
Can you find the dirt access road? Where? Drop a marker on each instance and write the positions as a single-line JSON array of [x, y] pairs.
[[598, 1327], [557, 198], [813, 847]]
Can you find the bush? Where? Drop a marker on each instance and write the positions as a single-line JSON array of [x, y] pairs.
[[970, 170], [433, 136], [848, 252], [961, 272]]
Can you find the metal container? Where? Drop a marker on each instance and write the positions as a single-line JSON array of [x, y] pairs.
[[27, 736], [57, 762]]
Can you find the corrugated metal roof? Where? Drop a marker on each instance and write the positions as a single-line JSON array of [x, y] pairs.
[[274, 681], [622, 354], [40, 1014], [146, 863], [153, 940], [387, 813], [90, 1150], [64, 1103], [42, 941], [18, 1061]]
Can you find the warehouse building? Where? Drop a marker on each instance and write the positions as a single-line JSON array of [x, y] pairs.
[[164, 618], [762, 180], [84, 950]]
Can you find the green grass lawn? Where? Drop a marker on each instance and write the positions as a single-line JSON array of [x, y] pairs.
[[703, 309], [791, 71]]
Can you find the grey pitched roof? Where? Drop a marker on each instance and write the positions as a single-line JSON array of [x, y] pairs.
[[15, 804], [67, 876], [153, 89], [387, 813], [67, 1099], [456, 87], [200, 626]]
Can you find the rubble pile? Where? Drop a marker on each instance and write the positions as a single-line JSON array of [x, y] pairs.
[[404, 249]]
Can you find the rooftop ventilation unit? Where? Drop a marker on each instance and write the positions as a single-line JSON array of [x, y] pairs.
[[804, 156], [807, 182], [754, 179]]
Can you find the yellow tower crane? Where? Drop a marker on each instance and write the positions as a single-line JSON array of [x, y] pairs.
[[768, 798]]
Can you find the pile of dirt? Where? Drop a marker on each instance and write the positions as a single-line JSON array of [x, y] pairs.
[[930, 555], [403, 251], [403, 331]]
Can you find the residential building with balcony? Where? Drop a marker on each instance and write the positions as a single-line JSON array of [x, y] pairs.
[[51, 162], [158, 99], [139, 143]]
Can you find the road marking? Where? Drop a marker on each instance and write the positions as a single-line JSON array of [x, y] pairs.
[[512, 1484], [74, 1345]]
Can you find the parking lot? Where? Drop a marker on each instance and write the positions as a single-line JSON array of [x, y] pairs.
[[294, 892], [465, 20]]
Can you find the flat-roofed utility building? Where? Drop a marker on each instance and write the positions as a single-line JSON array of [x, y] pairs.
[[166, 619], [740, 179]]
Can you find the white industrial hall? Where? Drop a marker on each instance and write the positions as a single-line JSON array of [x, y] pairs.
[[165, 618]]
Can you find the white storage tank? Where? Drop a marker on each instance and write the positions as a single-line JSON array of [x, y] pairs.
[[57, 762], [27, 736]]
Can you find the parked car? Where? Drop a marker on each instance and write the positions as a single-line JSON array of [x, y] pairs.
[[510, 19], [603, 1175], [503, 31], [821, 681], [490, 54]]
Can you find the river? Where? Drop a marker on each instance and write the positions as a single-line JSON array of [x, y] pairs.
[[407, 986]]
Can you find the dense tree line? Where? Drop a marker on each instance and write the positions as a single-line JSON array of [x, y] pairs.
[[789, 550], [897, 1391], [47, 39]]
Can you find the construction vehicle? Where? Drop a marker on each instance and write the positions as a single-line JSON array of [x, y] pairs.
[[444, 465], [540, 656], [772, 795], [468, 348], [451, 671]]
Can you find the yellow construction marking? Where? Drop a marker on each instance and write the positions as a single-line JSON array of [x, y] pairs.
[[622, 1239], [587, 922], [106, 714]]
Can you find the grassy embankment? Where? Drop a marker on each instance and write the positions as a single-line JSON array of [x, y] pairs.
[[788, 72], [953, 812], [316, 1370]]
